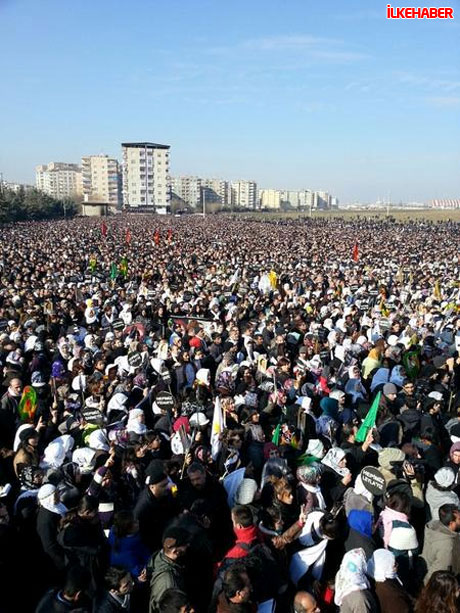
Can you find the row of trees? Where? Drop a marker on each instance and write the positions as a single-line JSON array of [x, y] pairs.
[[27, 204]]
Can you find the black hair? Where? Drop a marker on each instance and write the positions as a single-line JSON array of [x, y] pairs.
[[330, 526], [235, 580], [242, 515], [172, 601], [179, 535], [196, 467], [122, 524], [447, 513], [87, 503], [113, 577], [77, 580], [399, 501]]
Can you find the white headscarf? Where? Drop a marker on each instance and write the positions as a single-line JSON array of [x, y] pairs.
[[84, 458], [382, 565], [54, 455], [98, 440], [46, 500], [351, 576], [332, 459], [134, 424], [314, 554], [360, 490]]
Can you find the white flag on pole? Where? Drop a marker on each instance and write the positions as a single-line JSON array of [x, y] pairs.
[[217, 429]]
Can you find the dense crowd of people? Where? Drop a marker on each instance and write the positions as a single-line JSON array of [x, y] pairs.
[[229, 415]]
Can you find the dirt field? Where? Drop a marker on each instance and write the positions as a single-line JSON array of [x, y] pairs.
[[398, 214]]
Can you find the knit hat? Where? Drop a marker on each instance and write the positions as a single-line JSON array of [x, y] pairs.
[[246, 491], [389, 455], [444, 477], [389, 388], [155, 472]]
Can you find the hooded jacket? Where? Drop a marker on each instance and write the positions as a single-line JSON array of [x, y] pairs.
[[436, 497], [166, 574], [441, 550]]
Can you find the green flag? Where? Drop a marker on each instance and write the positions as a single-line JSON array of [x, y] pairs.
[[124, 267], [113, 271], [276, 435], [369, 420]]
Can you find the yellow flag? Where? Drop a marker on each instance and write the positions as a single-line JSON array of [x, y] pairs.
[[272, 278], [437, 290]]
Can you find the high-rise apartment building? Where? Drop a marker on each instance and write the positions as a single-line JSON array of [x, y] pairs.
[[59, 179], [187, 189], [218, 190], [322, 200], [244, 193], [101, 179], [270, 198], [145, 175]]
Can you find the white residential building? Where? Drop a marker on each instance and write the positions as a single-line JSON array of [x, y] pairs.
[[187, 189], [322, 200], [270, 198], [306, 199], [145, 175], [59, 179], [244, 193], [101, 179], [218, 189]]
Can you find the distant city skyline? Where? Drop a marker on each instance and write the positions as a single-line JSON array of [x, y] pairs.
[[330, 97]]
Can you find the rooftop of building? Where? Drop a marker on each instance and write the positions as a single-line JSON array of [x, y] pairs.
[[146, 145]]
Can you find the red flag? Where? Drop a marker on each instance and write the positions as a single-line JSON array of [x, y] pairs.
[[104, 229], [156, 237], [355, 252], [128, 236], [169, 235]]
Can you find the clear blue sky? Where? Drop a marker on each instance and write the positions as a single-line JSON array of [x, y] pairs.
[[322, 95]]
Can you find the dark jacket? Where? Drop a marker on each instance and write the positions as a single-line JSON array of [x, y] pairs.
[[53, 602], [392, 597], [153, 515], [47, 529], [108, 604]]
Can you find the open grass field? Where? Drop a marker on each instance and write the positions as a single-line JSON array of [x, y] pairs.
[[433, 215]]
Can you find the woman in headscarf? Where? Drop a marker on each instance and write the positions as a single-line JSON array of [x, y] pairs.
[[372, 361], [398, 376], [25, 445], [136, 422], [336, 476], [358, 497], [354, 387], [275, 466], [328, 423], [48, 520], [392, 597], [308, 489], [361, 526], [352, 590], [381, 377]]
